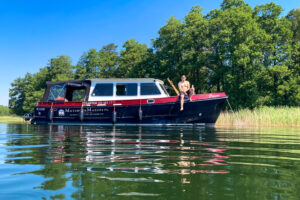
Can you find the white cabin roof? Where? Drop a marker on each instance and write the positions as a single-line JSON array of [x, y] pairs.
[[126, 80]]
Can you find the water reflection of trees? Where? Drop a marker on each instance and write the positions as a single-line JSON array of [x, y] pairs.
[[174, 163], [101, 158]]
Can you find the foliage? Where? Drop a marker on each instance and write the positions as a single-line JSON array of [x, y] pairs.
[[27, 91], [131, 56], [294, 17], [95, 64], [4, 111], [253, 54], [7, 116], [262, 116]]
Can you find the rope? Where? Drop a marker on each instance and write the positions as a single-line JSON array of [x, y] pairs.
[[229, 106]]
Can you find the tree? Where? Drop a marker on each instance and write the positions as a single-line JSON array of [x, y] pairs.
[[227, 4], [132, 55], [88, 65], [168, 49], [278, 48], [35, 89], [108, 61], [17, 94], [236, 46], [278, 56], [94, 64], [195, 49], [80, 69], [294, 18], [60, 68]]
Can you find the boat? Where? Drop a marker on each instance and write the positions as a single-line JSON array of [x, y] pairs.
[[131, 101]]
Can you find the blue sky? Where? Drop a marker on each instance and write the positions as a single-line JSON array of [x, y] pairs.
[[33, 31]]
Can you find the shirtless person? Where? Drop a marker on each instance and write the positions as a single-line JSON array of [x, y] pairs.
[[184, 90]]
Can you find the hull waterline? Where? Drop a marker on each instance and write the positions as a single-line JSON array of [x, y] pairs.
[[195, 113]]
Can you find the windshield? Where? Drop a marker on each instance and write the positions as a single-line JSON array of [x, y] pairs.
[[163, 88], [57, 93]]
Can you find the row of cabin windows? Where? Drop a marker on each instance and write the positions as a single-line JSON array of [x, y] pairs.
[[125, 89]]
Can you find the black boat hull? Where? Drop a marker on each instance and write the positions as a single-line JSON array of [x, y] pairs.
[[198, 112]]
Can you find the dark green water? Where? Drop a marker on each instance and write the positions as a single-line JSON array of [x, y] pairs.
[[94, 162]]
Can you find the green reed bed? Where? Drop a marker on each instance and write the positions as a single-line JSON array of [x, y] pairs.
[[263, 116], [11, 119], [6, 116], [4, 111]]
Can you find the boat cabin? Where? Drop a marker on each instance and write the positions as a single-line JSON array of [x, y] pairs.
[[104, 89]]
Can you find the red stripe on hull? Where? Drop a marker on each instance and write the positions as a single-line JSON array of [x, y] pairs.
[[130, 102]]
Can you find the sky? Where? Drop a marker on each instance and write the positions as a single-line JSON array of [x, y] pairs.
[[34, 31]]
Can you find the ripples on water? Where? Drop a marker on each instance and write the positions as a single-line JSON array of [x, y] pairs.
[[94, 162]]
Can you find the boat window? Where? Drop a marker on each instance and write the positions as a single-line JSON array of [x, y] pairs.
[[78, 95], [57, 93], [163, 88], [127, 89], [103, 89], [149, 89]]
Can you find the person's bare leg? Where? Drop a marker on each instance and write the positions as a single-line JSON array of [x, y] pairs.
[[181, 102]]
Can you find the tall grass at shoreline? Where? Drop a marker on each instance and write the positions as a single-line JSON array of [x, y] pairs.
[[11, 119], [262, 116], [4, 111], [6, 116]]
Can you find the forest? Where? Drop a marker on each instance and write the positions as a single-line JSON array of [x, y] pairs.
[[252, 54]]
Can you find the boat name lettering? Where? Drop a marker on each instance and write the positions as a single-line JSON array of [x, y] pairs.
[[97, 102], [95, 109], [68, 110], [106, 102]]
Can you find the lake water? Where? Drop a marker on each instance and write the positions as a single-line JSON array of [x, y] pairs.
[[94, 162]]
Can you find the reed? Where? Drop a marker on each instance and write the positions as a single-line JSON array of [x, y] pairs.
[[11, 119], [6, 116], [4, 111], [262, 116]]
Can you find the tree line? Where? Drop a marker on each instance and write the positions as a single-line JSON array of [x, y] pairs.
[[253, 54]]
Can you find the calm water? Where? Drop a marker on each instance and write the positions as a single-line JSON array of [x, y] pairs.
[[94, 162]]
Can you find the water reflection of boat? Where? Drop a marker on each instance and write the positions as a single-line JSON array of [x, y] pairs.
[[123, 101], [139, 150]]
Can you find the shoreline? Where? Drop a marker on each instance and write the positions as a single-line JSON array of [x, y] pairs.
[[11, 119], [253, 125]]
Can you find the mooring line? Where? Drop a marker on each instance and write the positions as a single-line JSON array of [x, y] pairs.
[[229, 105]]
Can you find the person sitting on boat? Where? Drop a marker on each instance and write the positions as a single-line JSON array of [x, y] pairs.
[[184, 90]]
